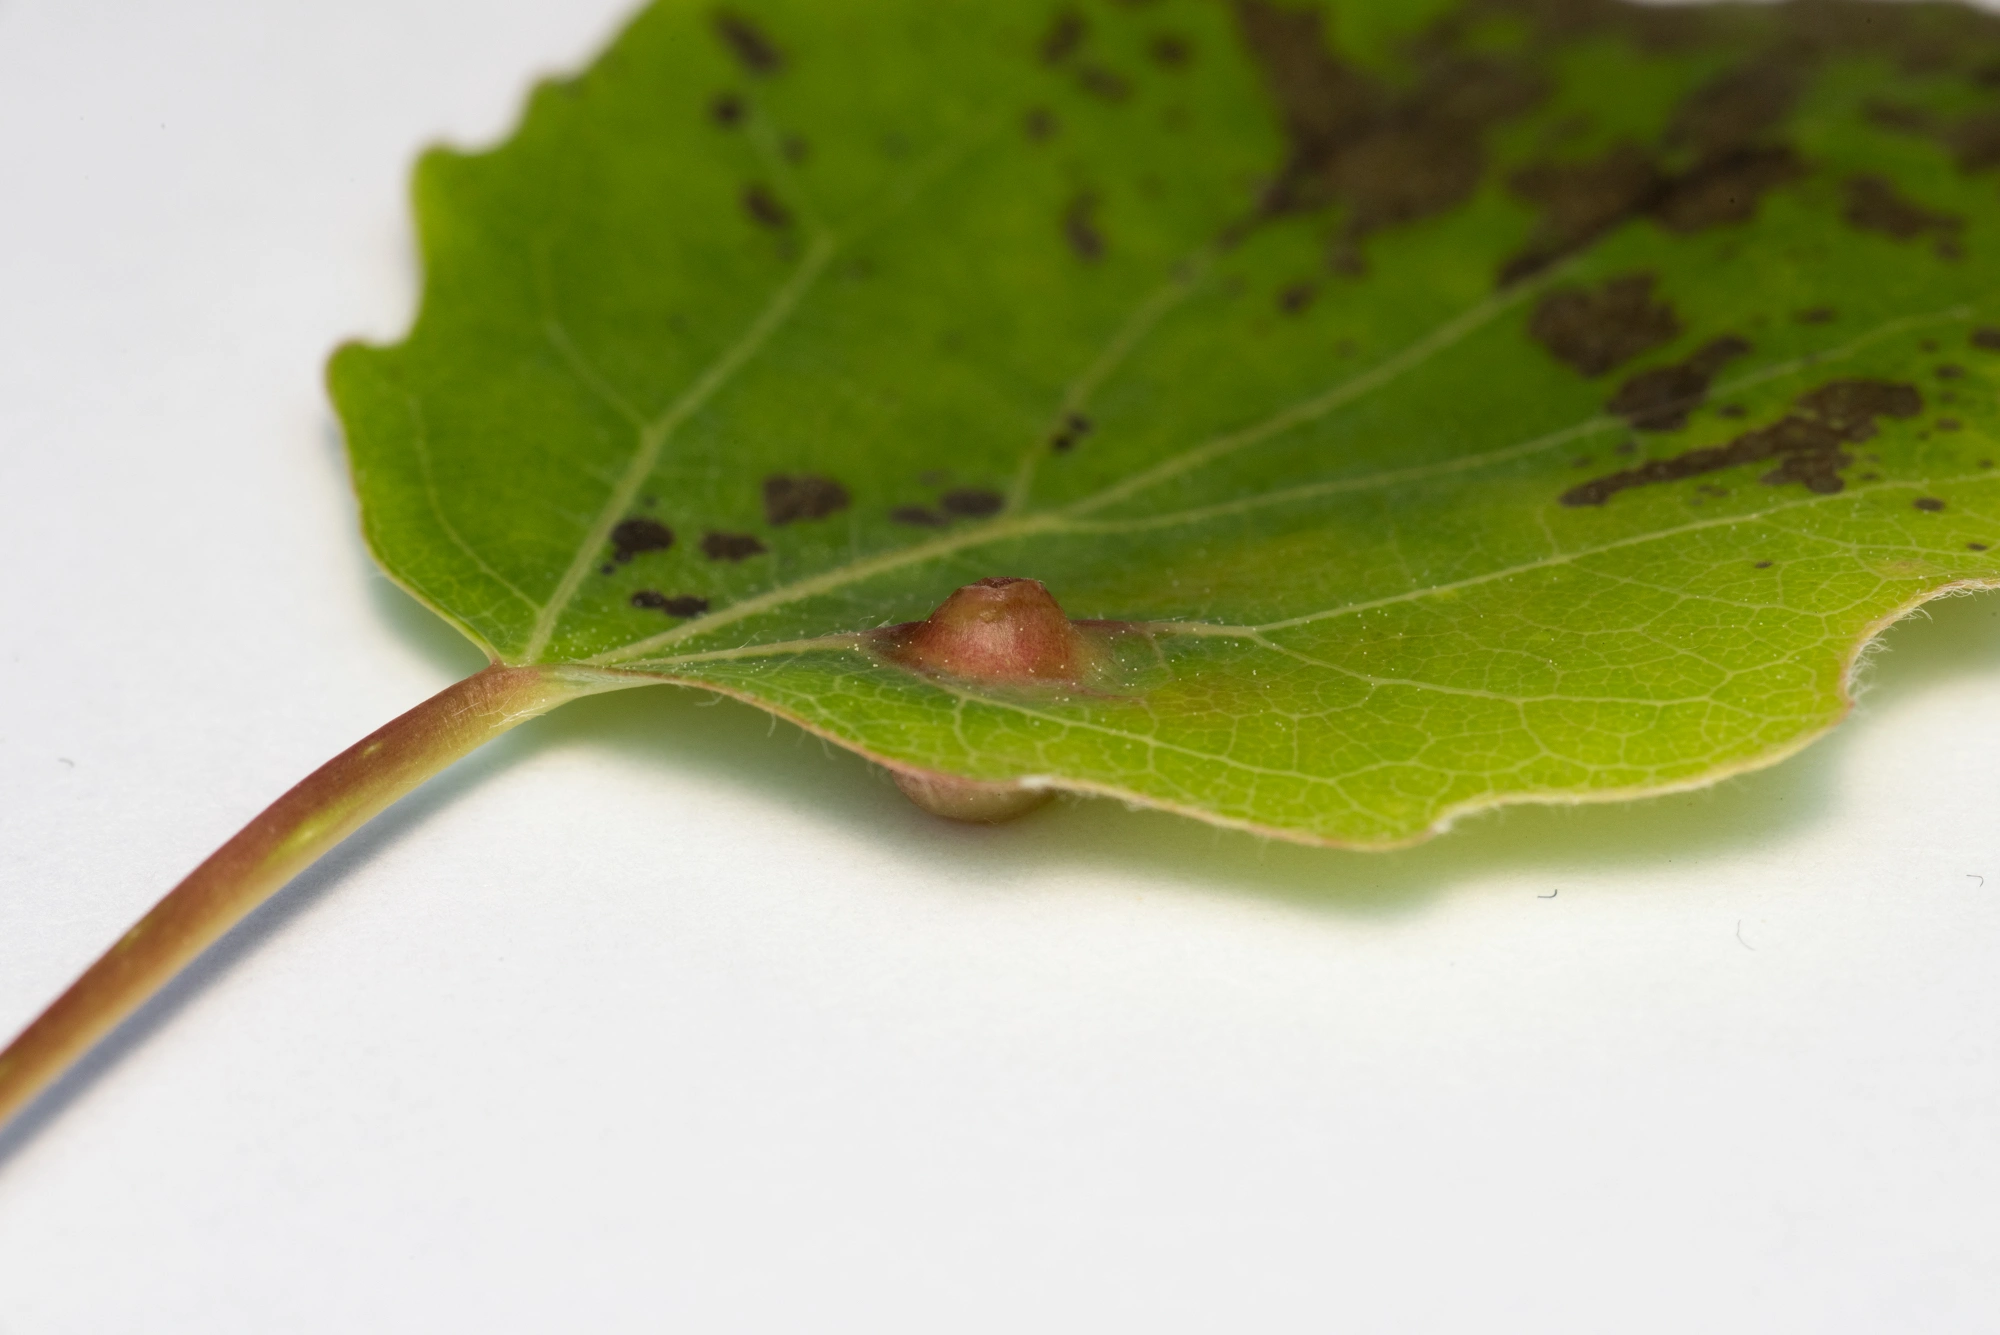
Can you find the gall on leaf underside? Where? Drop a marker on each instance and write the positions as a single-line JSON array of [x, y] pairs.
[[1448, 404]]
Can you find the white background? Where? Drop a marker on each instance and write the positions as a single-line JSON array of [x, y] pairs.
[[654, 1017]]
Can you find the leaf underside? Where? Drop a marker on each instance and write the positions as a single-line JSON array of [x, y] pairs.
[[1456, 403]]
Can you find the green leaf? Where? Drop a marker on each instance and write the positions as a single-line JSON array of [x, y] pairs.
[[1454, 404]]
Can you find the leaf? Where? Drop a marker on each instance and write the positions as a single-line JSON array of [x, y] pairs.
[[1439, 405]]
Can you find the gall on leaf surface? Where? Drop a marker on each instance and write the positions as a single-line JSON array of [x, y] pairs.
[[1431, 406]]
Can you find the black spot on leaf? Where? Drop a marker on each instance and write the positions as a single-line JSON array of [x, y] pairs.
[[1722, 131], [1106, 84], [1874, 205], [1975, 546], [1597, 329], [1950, 371], [1039, 123], [686, 605], [764, 208], [1063, 36], [916, 516], [1079, 228], [1928, 504], [1390, 155], [747, 42], [1806, 443], [1987, 338], [1662, 398], [1736, 107], [726, 109], [1973, 141], [1293, 298], [639, 534], [1726, 188], [730, 546], [1581, 201], [972, 502], [789, 497], [1170, 50], [1074, 428], [1815, 315]]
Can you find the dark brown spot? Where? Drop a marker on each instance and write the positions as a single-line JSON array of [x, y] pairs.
[[1074, 427], [1100, 82], [747, 42], [1662, 398], [1730, 410], [1722, 127], [639, 534], [972, 502], [1874, 205], [1293, 298], [726, 109], [916, 516], [606, 568], [1726, 188], [1815, 315], [1079, 227], [1930, 505], [789, 498], [1039, 123], [1391, 155], [1579, 202], [1986, 337], [1735, 108], [1806, 444], [1171, 50], [1851, 406], [1899, 116], [1762, 565], [1975, 546], [1064, 35], [764, 208], [1973, 141], [1949, 371], [686, 605], [1596, 330], [731, 546]]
